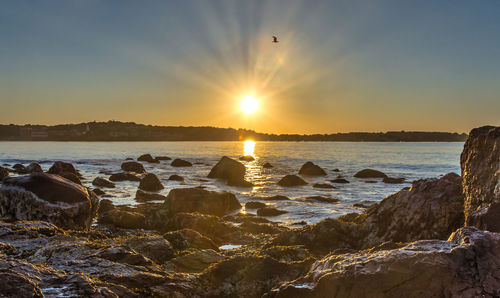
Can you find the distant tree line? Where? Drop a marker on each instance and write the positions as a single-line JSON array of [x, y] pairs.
[[129, 131]]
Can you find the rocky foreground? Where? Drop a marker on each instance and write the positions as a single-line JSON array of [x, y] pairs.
[[438, 238]]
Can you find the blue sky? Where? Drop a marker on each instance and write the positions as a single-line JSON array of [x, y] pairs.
[[339, 66]]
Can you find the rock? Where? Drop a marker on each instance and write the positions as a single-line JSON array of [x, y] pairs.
[[133, 166], [98, 181], [339, 180], [17, 285], [175, 178], [19, 168], [154, 247], [323, 185], [194, 262], [188, 238], [148, 158], [98, 191], [144, 196], [269, 211], [370, 173], [291, 180], [162, 158], [129, 158], [255, 205], [480, 163], [248, 276], [41, 196], [393, 180], [310, 169], [71, 177], [150, 182], [180, 163], [34, 168], [124, 177], [275, 198], [430, 209], [322, 199], [247, 158], [267, 166], [200, 200], [360, 205], [463, 266], [336, 170], [370, 181], [61, 167], [230, 170], [261, 228], [122, 219], [3, 173]]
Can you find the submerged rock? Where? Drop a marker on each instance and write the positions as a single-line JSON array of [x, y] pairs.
[[200, 200], [150, 182], [310, 169], [230, 170], [180, 163], [322, 199], [275, 198], [323, 185], [98, 181], [133, 166], [291, 180], [339, 180], [480, 163], [393, 180], [370, 173], [269, 211], [41, 196], [247, 158]]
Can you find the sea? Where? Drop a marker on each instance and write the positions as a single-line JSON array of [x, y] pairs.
[[411, 161]]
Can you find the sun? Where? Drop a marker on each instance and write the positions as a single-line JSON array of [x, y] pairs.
[[249, 104]]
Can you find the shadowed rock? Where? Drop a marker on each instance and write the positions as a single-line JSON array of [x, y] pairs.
[[144, 196], [291, 180], [41, 196], [370, 173], [267, 166], [180, 163], [194, 262], [339, 180], [150, 182], [188, 238], [480, 163], [3, 173], [323, 185], [148, 158], [230, 170], [310, 169], [255, 205], [200, 200], [175, 178], [322, 199], [110, 214], [393, 180], [269, 211], [61, 167], [34, 168], [133, 166], [124, 177], [162, 158]]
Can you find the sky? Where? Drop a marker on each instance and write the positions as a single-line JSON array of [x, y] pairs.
[[339, 66]]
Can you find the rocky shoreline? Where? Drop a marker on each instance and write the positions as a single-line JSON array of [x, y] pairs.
[[439, 237]]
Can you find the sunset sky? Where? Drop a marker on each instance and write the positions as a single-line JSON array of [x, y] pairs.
[[339, 66]]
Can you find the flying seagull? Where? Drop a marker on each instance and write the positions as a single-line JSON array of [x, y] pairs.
[[275, 39]]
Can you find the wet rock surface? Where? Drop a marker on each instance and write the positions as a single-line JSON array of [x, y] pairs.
[[291, 180], [311, 169], [150, 182], [370, 173], [181, 163], [230, 170], [133, 166]]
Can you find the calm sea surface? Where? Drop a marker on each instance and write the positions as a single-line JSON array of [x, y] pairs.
[[409, 160]]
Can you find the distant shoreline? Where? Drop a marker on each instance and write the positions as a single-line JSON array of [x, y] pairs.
[[114, 131]]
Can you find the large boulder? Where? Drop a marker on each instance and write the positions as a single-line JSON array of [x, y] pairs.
[[51, 198], [133, 166], [230, 170], [291, 180], [150, 182], [310, 169], [467, 265], [200, 200], [480, 162], [370, 173]]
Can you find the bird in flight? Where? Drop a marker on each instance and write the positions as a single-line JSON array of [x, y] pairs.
[[275, 39]]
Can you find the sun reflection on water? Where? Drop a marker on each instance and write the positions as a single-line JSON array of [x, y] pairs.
[[248, 148]]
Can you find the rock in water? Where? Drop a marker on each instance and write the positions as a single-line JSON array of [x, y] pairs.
[[144, 196], [150, 182], [148, 158], [267, 166], [310, 169], [133, 166], [200, 200], [230, 170], [124, 177], [41, 196], [291, 180], [98, 181], [339, 180], [393, 180], [162, 158], [3, 173], [369, 173], [181, 163], [34, 168], [175, 178], [247, 158], [480, 163], [61, 167], [269, 211], [323, 185]]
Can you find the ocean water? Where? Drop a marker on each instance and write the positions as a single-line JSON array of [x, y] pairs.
[[411, 161]]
